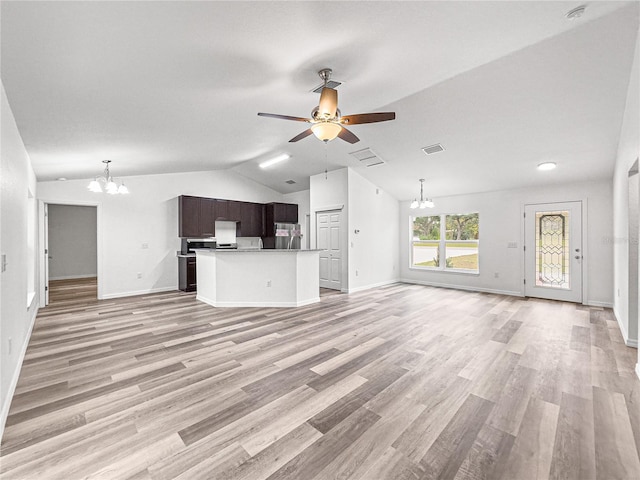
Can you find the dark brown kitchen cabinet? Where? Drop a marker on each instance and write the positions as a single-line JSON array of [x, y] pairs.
[[235, 210], [250, 219], [187, 274], [207, 217], [188, 216], [222, 209], [281, 213], [196, 217]]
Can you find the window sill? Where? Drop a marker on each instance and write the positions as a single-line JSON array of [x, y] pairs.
[[474, 273]]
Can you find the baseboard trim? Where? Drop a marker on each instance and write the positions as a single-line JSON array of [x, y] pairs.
[[511, 293], [593, 303], [138, 292], [16, 374], [373, 285], [256, 304], [72, 277], [629, 342]]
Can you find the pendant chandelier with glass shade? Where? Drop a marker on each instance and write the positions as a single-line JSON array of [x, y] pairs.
[[106, 183], [424, 202]]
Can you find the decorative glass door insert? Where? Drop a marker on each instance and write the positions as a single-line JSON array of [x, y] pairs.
[[552, 249]]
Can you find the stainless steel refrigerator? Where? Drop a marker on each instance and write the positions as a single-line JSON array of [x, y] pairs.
[[287, 236]]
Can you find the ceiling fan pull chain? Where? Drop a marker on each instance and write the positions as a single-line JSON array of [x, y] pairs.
[[326, 175]]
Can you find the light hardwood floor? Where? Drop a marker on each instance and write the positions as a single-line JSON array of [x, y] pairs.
[[401, 382]]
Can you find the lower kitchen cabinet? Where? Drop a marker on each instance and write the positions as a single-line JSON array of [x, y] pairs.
[[187, 274]]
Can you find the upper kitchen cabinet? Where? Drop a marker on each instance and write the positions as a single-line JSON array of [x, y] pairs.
[[281, 213], [196, 217], [207, 217], [221, 209], [188, 216], [251, 219]]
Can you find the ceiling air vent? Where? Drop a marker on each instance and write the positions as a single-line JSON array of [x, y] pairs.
[[290, 182], [431, 149], [367, 157]]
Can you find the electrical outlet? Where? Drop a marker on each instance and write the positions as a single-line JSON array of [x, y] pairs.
[[356, 273], [139, 275], [268, 283], [496, 275], [145, 246], [512, 245]]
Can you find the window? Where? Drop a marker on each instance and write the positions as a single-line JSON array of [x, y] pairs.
[[452, 237]]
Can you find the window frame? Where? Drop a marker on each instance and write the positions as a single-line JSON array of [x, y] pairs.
[[442, 247]]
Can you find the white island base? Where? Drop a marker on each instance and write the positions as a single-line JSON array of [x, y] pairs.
[[258, 278]]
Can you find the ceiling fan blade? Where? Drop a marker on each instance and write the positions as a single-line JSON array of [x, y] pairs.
[[302, 135], [348, 136], [367, 118], [285, 117]]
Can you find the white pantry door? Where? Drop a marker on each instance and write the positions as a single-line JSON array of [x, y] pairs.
[[328, 240], [553, 251]]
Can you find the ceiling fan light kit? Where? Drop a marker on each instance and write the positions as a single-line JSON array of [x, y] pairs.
[[326, 131], [327, 120], [424, 202], [110, 186]]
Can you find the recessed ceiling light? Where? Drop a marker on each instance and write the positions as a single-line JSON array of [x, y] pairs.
[[546, 166], [576, 12], [273, 161]]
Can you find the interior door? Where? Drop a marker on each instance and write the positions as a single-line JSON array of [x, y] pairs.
[[328, 237], [553, 251], [46, 254]]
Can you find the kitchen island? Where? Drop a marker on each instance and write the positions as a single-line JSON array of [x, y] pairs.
[[258, 278]]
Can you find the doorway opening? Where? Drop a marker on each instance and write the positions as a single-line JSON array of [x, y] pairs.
[[70, 253]]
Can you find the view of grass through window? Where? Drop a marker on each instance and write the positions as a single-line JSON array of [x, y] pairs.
[[454, 238]]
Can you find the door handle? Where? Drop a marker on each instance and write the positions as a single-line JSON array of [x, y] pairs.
[[578, 257]]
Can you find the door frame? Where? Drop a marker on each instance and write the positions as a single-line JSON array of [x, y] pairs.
[[99, 249], [585, 243]]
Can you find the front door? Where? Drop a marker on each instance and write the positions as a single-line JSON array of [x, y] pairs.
[[328, 240], [553, 251]]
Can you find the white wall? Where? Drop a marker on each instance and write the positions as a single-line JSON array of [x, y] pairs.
[[16, 317], [501, 223], [628, 151], [148, 215], [374, 250], [303, 200], [73, 242]]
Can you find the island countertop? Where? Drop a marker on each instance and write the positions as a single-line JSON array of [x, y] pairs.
[[258, 278]]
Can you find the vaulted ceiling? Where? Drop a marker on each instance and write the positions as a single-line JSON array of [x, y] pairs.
[[161, 87]]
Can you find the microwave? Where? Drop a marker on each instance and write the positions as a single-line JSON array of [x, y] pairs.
[[190, 244]]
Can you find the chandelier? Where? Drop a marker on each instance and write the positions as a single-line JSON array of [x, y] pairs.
[[106, 180], [424, 202]]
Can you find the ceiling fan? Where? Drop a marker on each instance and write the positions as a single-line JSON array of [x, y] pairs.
[[326, 119]]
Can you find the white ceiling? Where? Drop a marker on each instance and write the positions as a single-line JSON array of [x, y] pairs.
[[162, 87]]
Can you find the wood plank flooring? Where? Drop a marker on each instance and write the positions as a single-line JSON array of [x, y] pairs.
[[401, 382]]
